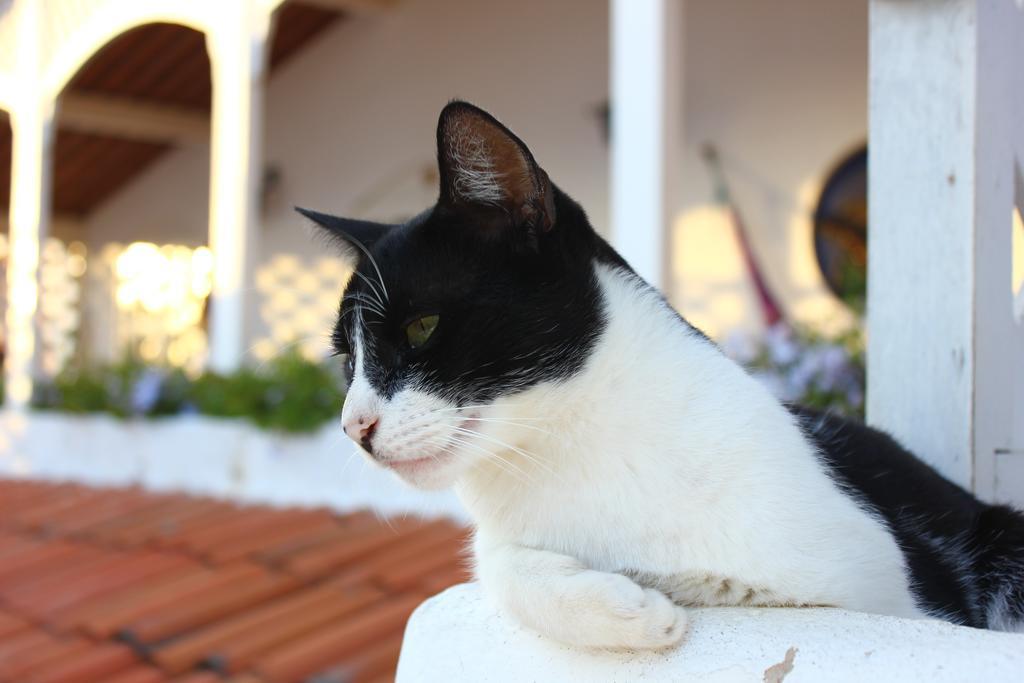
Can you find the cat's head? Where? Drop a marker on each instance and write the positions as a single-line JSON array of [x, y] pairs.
[[453, 315]]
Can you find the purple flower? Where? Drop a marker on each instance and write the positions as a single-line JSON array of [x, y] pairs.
[[835, 368], [146, 391], [782, 347]]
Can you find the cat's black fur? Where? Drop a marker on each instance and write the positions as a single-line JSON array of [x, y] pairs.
[[478, 352], [966, 557]]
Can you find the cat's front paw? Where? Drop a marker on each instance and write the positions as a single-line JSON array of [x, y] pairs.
[[628, 616]]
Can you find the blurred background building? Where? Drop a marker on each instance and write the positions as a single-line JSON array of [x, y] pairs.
[[344, 97]]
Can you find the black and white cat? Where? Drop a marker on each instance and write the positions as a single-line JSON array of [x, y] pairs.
[[617, 465]]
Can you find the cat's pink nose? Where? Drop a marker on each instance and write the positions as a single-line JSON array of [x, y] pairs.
[[360, 429]]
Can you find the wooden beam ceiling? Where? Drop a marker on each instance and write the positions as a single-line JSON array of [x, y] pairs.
[[132, 119], [144, 93]]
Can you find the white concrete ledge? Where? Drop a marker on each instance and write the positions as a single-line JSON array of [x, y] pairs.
[[207, 456], [459, 636]]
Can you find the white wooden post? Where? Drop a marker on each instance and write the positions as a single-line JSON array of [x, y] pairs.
[[32, 128], [646, 111], [944, 108], [238, 61]]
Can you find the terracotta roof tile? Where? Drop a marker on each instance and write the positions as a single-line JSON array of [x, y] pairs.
[[217, 602], [13, 546], [81, 510], [108, 511], [101, 662], [275, 621], [286, 530], [386, 678], [139, 674], [446, 577], [213, 520], [156, 524], [10, 623], [358, 544], [412, 574], [198, 677], [124, 586], [22, 666], [33, 560], [42, 510], [128, 570], [239, 653], [334, 644], [23, 641], [126, 601], [378, 659], [85, 567], [246, 678]]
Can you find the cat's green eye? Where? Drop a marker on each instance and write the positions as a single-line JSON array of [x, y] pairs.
[[418, 331]]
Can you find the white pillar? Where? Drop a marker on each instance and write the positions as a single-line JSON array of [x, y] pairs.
[[238, 61], [31, 169], [944, 105], [646, 132], [32, 130]]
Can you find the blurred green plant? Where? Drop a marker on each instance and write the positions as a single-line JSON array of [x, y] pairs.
[[288, 394]]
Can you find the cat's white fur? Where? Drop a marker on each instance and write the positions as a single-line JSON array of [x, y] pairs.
[[661, 475]]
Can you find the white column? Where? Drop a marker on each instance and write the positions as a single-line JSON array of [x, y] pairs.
[[32, 130], [943, 111], [31, 169], [646, 111], [238, 60]]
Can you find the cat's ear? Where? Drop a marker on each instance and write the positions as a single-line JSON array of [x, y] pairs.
[[355, 237], [483, 163]]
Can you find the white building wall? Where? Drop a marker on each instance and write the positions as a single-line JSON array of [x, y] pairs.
[[168, 202], [779, 87]]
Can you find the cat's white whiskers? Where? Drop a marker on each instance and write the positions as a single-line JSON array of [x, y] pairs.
[[533, 457], [365, 298], [373, 262], [441, 443], [374, 290], [504, 463], [356, 308], [508, 420], [384, 518], [368, 303], [341, 439], [500, 462], [512, 422], [472, 407]]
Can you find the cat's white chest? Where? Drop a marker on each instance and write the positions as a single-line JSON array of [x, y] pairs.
[[673, 466]]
